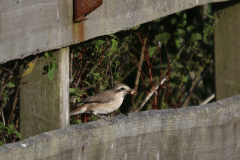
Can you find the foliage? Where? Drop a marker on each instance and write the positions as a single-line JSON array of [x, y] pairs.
[[10, 82], [51, 64], [178, 48], [173, 47], [8, 132]]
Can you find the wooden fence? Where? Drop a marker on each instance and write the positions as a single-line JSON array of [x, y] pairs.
[[209, 132], [30, 27], [204, 132]]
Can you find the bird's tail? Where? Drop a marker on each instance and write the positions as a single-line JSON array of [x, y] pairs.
[[79, 110]]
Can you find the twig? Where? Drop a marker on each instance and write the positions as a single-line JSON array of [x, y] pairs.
[[9, 78], [208, 99], [14, 102], [110, 67], [194, 82], [195, 86], [12, 91], [163, 96], [3, 119], [80, 75], [1, 71], [8, 70], [140, 66], [150, 94]]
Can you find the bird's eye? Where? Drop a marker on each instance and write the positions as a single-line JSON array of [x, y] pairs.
[[122, 88]]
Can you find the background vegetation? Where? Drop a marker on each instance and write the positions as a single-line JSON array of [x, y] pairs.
[[169, 61], [176, 50]]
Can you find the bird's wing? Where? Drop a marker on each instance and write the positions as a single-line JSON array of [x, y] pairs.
[[103, 97]]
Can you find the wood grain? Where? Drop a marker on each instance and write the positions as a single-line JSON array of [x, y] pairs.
[[31, 27], [44, 103], [210, 131], [227, 50]]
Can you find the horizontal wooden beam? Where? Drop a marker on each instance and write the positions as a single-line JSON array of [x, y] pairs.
[[30, 27], [203, 132]]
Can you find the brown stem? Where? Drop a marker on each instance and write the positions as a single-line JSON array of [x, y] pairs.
[[190, 91], [140, 66], [80, 75], [110, 67], [150, 94], [9, 78], [3, 119], [14, 102]]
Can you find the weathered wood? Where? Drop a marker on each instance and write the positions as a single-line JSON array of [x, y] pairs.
[[203, 132], [227, 50], [30, 27], [44, 103]]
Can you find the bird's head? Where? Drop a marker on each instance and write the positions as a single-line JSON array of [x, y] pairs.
[[123, 90]]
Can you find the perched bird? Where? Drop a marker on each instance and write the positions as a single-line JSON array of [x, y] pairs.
[[104, 102]]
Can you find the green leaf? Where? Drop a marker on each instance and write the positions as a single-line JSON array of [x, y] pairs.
[[152, 50], [114, 45], [87, 83], [51, 69], [172, 85], [1, 144], [76, 121], [185, 79], [195, 37], [190, 28], [76, 91], [18, 134], [50, 54], [183, 20], [10, 85], [98, 43], [164, 37], [96, 76], [3, 127], [117, 63], [175, 74], [46, 55], [210, 16], [179, 65]]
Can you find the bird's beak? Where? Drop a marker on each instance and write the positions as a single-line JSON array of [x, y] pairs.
[[132, 91]]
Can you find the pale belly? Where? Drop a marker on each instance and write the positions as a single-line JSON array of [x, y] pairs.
[[105, 108]]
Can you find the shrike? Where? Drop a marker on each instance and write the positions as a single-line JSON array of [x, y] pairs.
[[104, 102]]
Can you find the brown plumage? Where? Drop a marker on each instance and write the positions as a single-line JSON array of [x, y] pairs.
[[104, 102]]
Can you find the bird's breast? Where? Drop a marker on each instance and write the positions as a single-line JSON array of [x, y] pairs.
[[117, 103]]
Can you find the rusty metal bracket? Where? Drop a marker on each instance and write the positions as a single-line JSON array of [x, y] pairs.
[[81, 8]]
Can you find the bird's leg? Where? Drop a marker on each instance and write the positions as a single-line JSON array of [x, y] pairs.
[[103, 117]]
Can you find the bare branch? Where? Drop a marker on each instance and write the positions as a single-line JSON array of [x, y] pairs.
[[150, 94], [208, 99]]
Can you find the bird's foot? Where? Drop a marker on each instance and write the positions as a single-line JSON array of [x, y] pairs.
[[105, 118]]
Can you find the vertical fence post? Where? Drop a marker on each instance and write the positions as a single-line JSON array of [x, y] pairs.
[[44, 103], [227, 49]]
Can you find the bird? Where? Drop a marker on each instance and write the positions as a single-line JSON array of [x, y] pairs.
[[104, 102]]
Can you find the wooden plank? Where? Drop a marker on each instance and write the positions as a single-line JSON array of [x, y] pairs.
[[44, 103], [227, 50], [210, 131], [30, 27]]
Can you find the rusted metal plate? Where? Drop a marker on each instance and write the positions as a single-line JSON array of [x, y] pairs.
[[81, 8]]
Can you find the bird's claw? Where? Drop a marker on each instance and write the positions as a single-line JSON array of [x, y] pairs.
[[108, 119]]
